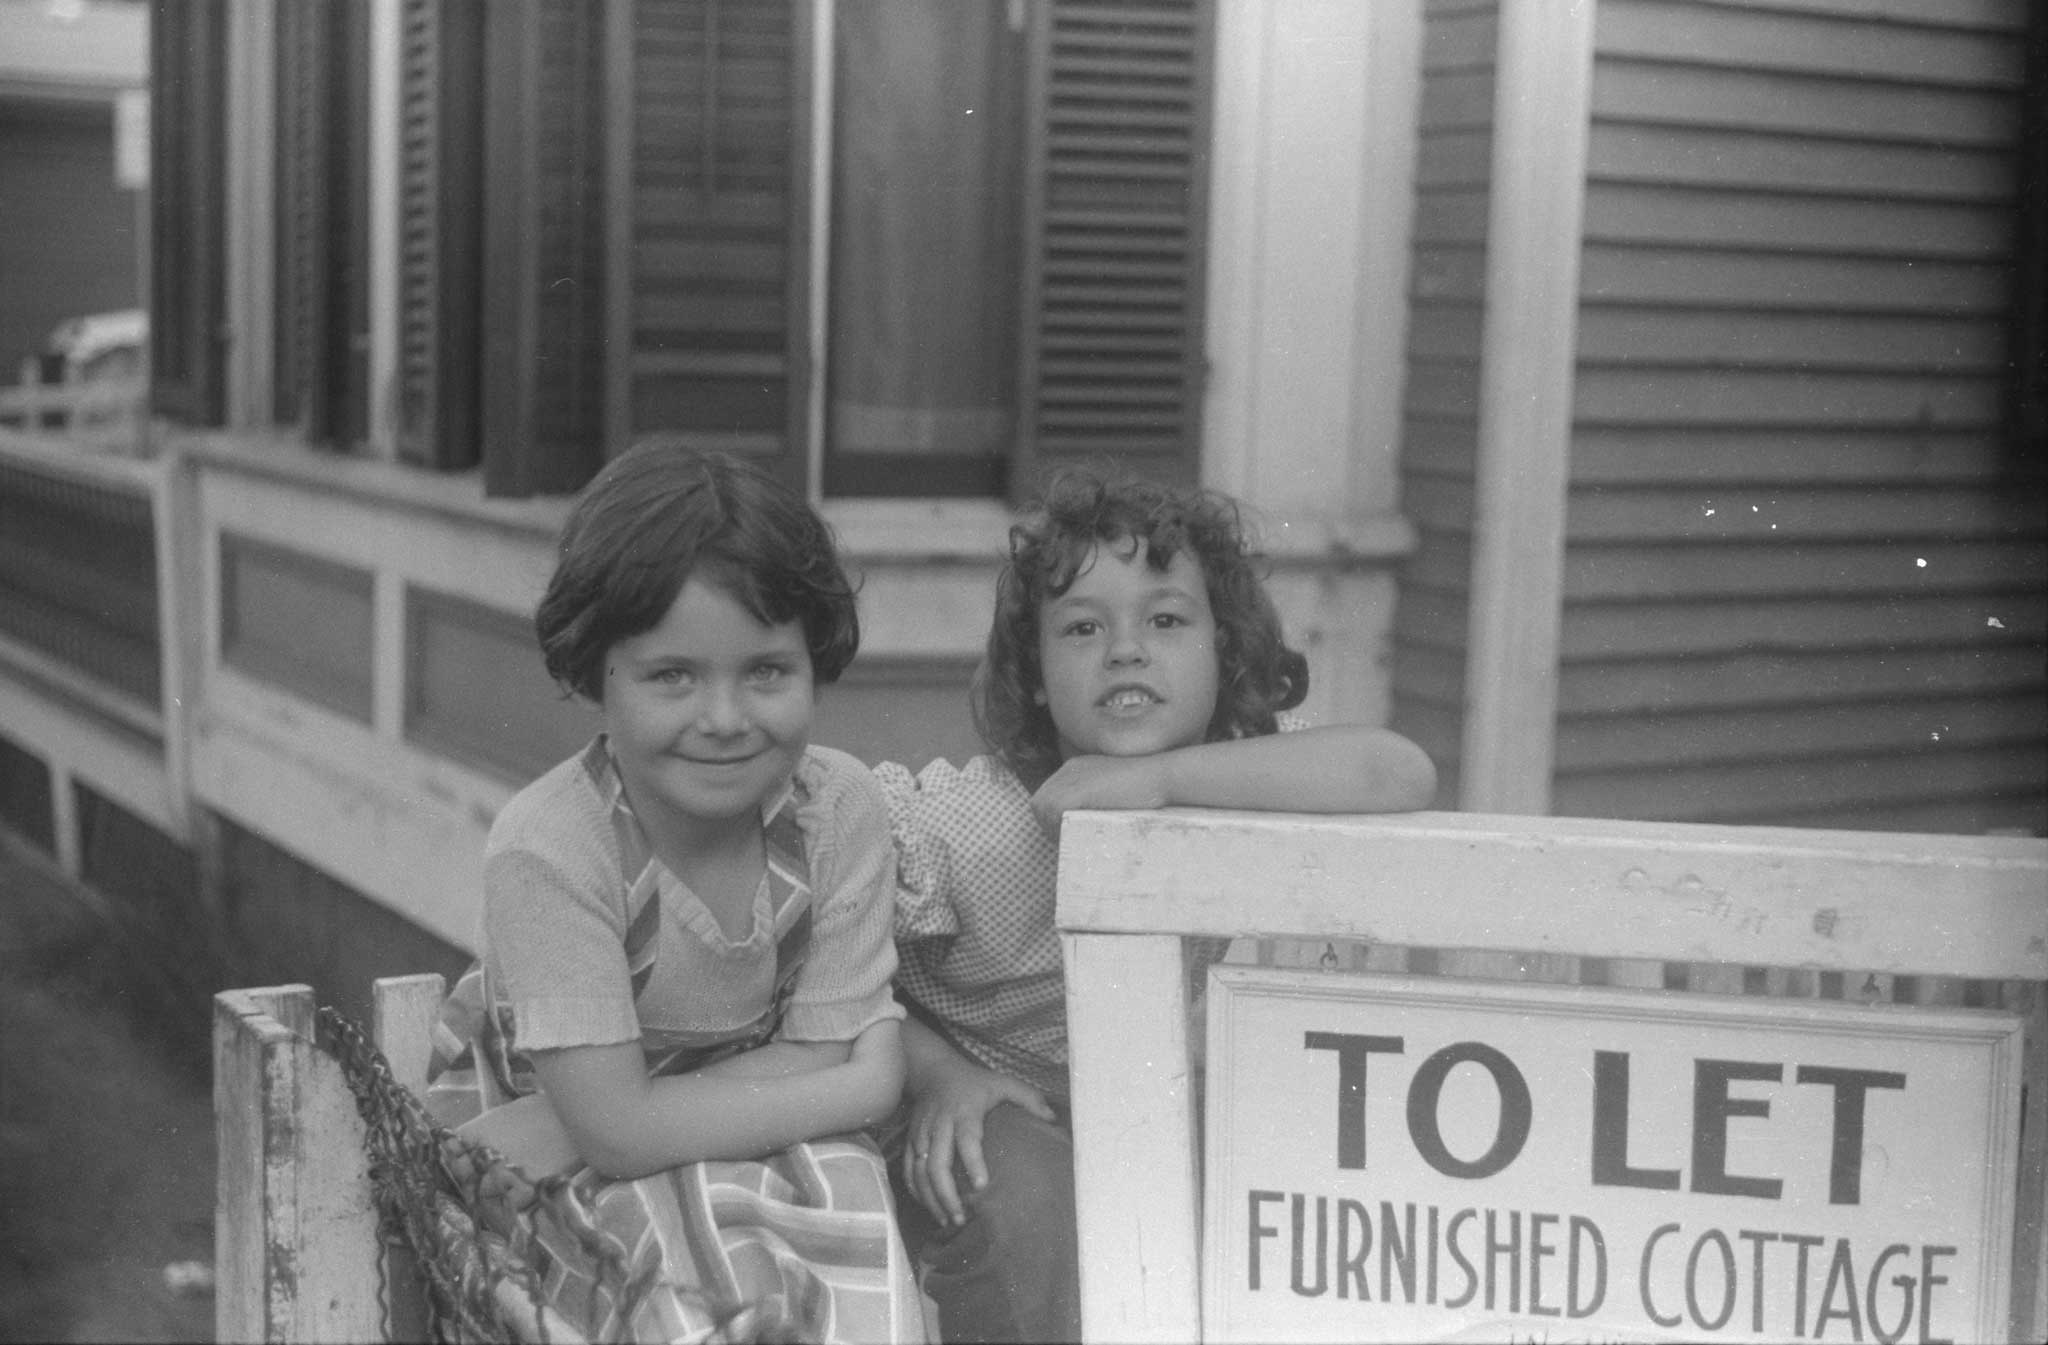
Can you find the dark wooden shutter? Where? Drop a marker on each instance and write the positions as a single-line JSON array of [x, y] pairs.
[[322, 175], [188, 177], [1116, 205], [717, 281], [440, 231], [2029, 364], [544, 237]]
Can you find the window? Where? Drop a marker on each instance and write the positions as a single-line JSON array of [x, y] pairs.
[[628, 220]]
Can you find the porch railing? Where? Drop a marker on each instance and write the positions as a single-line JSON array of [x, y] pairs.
[[79, 602]]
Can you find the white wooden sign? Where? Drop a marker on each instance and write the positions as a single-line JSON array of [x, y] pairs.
[[1396, 1158]]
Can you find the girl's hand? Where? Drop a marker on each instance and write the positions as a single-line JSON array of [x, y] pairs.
[[945, 1125], [1100, 782]]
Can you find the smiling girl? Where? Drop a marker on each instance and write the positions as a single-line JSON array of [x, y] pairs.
[[1134, 661], [686, 926]]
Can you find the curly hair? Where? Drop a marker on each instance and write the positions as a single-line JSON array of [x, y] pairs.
[[658, 514], [1257, 673]]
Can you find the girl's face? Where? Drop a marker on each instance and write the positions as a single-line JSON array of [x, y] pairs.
[[1128, 654], [707, 713]]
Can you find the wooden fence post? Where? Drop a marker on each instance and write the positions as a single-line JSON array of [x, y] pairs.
[[295, 1229], [1134, 1137]]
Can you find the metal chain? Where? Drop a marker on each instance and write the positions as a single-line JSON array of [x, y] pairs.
[[464, 1211]]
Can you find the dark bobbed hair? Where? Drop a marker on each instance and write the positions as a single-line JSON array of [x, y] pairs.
[[1258, 675], [658, 514]]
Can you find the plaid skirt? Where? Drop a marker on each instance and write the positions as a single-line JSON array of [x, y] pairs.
[[800, 1245]]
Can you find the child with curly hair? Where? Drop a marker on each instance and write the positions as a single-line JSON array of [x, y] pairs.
[[1135, 660]]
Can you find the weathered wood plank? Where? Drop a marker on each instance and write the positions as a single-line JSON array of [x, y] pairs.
[[1753, 896], [298, 1248], [1135, 1183]]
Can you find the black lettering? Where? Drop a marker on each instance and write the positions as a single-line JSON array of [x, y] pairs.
[[1610, 1129], [1902, 1282], [1515, 1110], [1458, 1255], [1845, 1157], [1711, 1108], [1350, 1265], [1692, 1279], [1259, 1230], [1512, 1250], [1756, 1241], [1538, 1249], [1928, 1279], [1300, 1205], [1582, 1225], [1433, 1245], [1397, 1250], [1643, 1280], [1841, 1271], [1805, 1243], [1351, 1050]]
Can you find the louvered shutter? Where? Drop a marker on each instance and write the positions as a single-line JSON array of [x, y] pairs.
[[304, 74], [188, 221], [717, 269], [322, 278], [544, 245], [440, 230], [1116, 206]]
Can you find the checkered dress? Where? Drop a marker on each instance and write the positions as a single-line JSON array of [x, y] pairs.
[[975, 942]]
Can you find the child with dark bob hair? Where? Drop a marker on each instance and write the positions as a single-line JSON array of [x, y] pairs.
[[658, 515], [683, 1007], [1134, 661]]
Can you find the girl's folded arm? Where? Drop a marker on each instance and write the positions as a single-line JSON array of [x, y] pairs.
[[778, 1059], [625, 1124], [1341, 768]]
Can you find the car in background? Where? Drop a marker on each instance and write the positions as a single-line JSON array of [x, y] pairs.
[[97, 347]]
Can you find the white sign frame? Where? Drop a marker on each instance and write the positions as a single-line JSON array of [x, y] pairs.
[[1991, 1043]]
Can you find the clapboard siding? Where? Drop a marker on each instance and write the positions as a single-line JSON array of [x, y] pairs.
[[1696, 156], [1805, 573], [1906, 725], [1851, 457], [1784, 677], [1454, 153], [1754, 38], [1804, 580], [1683, 215], [1772, 790], [1667, 93], [1710, 277], [1940, 566]]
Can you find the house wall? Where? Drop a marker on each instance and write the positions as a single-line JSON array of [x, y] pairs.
[[1803, 566], [1804, 578], [1440, 408]]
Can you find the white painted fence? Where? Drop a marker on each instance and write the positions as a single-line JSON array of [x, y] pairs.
[[1501, 897], [104, 414]]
